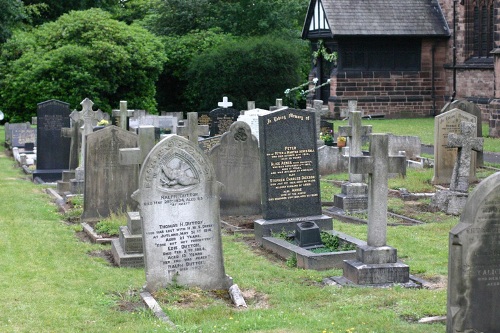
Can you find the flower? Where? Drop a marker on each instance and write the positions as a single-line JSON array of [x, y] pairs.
[[341, 139], [103, 122], [326, 136]]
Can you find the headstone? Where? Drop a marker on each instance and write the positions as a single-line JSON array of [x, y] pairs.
[[318, 112], [124, 114], [453, 200], [179, 203], [445, 157], [207, 144], [108, 184], [376, 263], [354, 194], [192, 130], [10, 127], [221, 120], [20, 137], [89, 118], [289, 172], [474, 261], [52, 149], [251, 117], [127, 251], [73, 133], [472, 109], [411, 145], [237, 167]]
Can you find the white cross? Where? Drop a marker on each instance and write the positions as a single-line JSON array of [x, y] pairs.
[[225, 103]]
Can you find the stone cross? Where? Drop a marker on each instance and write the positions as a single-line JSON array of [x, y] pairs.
[[378, 165], [133, 156], [318, 112], [466, 142], [354, 132], [124, 114], [73, 133], [193, 130], [225, 103], [88, 116]]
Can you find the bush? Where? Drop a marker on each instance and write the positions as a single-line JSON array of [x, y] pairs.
[[256, 69]]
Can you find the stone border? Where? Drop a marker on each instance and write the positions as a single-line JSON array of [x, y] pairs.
[[94, 237], [310, 260]]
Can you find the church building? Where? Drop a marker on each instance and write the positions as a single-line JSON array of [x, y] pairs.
[[405, 58]]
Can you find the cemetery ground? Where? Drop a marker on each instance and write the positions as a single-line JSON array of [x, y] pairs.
[[52, 281]]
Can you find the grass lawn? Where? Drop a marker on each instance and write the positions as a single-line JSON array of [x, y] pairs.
[[52, 282]]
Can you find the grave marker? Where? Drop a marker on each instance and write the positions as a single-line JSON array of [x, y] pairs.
[[289, 172], [354, 194], [108, 184], [20, 137], [179, 202], [124, 114], [444, 156], [52, 149], [474, 261], [221, 119], [237, 166], [376, 263]]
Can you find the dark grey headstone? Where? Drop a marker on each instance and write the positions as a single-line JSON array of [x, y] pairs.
[[221, 120], [52, 149], [108, 184], [237, 166], [474, 262], [208, 143], [179, 202], [289, 164]]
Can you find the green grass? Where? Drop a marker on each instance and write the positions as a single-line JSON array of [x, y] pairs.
[[421, 127], [50, 282]]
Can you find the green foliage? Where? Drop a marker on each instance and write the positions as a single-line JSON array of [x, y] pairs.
[[11, 14], [178, 17], [82, 54], [111, 225], [255, 69], [292, 261], [180, 50]]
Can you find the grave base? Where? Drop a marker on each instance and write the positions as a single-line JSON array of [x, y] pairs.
[[376, 266], [450, 202], [353, 198], [264, 228], [125, 260], [64, 185], [48, 176], [77, 186]]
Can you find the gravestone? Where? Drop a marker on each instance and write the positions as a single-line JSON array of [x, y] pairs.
[[192, 130], [453, 200], [8, 131], [289, 172], [207, 144], [354, 193], [251, 117], [445, 157], [127, 250], [20, 137], [222, 118], [179, 203], [108, 184], [52, 149], [237, 167], [411, 145], [376, 263], [474, 261], [473, 109], [124, 114]]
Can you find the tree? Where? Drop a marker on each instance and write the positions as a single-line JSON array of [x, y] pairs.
[[10, 15], [82, 54], [258, 69], [43, 11], [240, 18]]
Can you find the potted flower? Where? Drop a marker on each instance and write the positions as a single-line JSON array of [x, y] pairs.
[[327, 137], [341, 141]]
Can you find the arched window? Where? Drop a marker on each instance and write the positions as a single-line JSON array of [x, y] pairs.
[[479, 23]]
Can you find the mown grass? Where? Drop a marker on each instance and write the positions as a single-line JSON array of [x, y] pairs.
[[50, 282]]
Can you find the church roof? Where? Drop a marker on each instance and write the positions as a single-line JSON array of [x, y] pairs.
[[422, 18]]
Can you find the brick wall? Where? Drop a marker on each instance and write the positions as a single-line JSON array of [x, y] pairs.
[[394, 94]]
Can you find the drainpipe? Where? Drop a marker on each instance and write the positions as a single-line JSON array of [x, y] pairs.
[[454, 51], [433, 78]]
